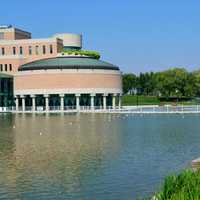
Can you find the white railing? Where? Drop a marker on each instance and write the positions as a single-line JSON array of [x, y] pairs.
[[109, 109]]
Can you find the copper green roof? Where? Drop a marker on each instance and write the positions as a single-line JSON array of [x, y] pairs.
[[68, 63]]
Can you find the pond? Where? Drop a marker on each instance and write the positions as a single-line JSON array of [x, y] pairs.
[[93, 156]]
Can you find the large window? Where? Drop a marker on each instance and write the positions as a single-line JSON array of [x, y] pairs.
[[2, 51], [10, 67], [44, 49], [6, 67], [14, 50], [1, 36], [37, 50], [20, 50], [6, 90], [30, 50], [51, 49]]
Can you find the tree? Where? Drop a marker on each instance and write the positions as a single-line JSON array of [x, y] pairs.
[[129, 82], [173, 82]]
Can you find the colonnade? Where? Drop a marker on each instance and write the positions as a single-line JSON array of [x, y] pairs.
[[20, 102]]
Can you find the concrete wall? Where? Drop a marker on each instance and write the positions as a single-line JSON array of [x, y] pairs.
[[67, 81]]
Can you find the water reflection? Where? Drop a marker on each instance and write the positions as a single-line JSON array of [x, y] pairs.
[[44, 152], [92, 156]]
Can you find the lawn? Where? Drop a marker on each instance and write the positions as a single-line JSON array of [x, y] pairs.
[[130, 100]]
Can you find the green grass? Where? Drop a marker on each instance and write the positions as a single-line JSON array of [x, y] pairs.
[[130, 100], [185, 186]]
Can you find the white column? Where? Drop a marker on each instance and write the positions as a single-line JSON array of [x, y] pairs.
[[104, 101], [120, 101], [92, 101], [78, 102], [23, 103], [62, 102], [46, 102], [114, 101], [16, 103], [33, 102]]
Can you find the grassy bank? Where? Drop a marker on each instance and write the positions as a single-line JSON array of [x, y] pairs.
[[185, 186], [130, 100]]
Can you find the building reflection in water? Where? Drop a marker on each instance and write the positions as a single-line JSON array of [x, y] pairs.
[[42, 152]]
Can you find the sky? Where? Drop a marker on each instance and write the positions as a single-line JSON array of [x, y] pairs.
[[136, 35]]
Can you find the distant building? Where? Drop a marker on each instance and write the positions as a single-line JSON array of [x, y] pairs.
[[50, 73]]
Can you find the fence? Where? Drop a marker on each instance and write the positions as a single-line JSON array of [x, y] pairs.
[[124, 109]]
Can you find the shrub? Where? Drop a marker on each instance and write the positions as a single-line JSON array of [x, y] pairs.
[[185, 186], [93, 54]]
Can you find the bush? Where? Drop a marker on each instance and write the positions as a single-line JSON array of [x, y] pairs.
[[93, 54]]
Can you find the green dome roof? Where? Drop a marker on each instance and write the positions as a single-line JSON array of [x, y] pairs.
[[68, 62]]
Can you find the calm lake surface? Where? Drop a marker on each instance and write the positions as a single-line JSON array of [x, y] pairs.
[[92, 156]]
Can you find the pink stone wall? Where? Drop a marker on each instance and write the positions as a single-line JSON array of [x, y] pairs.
[[17, 60], [67, 80]]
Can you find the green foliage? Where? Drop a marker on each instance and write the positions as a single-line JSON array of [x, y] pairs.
[[129, 82], [93, 54], [184, 186], [175, 82]]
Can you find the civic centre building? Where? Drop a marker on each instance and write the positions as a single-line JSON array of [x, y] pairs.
[[50, 74]]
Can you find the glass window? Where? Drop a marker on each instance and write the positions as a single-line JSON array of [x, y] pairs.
[[20, 50], [6, 67], [30, 50], [37, 50], [2, 51], [1, 36], [10, 66], [51, 49], [14, 50], [44, 49]]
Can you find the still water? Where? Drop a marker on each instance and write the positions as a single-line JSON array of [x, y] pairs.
[[92, 156]]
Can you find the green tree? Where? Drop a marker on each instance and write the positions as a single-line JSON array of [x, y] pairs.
[[129, 82], [173, 82]]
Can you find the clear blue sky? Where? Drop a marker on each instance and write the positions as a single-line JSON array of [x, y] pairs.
[[137, 35]]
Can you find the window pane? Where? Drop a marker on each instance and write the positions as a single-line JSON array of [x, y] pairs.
[[37, 50], [44, 49], [51, 49], [10, 65], [30, 50], [3, 51], [1, 36], [14, 50], [20, 50]]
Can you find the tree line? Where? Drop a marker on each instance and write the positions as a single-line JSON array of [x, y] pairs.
[[175, 82]]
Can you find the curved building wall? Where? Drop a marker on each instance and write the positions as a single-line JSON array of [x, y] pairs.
[[70, 40], [68, 82]]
